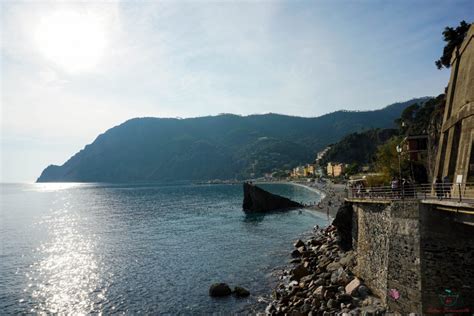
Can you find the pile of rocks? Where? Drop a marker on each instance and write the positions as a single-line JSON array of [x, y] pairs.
[[321, 281]]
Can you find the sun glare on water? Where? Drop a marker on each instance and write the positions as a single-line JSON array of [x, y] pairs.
[[73, 41]]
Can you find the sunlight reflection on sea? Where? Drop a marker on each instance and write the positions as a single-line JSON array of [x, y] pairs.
[[139, 248], [68, 275]]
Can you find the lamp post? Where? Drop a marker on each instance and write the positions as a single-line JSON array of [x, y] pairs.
[[399, 151]]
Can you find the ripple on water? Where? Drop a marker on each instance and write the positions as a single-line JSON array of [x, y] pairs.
[[67, 275], [151, 248]]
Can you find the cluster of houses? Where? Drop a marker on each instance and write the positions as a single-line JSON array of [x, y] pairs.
[[312, 170], [308, 170]]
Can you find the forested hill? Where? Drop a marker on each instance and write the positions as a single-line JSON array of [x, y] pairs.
[[358, 147], [214, 147]]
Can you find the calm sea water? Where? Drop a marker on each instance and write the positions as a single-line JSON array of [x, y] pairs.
[[86, 248]]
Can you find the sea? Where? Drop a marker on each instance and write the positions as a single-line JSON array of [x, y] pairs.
[[141, 248]]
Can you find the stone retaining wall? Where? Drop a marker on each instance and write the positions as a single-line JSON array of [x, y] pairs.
[[372, 246], [388, 252], [404, 258], [415, 257]]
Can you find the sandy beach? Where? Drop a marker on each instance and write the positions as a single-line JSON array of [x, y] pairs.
[[332, 196]]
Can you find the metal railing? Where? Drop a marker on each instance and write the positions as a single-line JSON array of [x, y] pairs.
[[441, 191]]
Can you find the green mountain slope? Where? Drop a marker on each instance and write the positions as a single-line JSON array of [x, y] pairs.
[[358, 147], [213, 147]]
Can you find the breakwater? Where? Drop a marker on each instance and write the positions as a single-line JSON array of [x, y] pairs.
[[321, 281]]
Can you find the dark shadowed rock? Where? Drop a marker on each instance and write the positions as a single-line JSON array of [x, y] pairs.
[[299, 243], [344, 298], [295, 253], [219, 290], [343, 223], [298, 272], [241, 292], [258, 200], [363, 291]]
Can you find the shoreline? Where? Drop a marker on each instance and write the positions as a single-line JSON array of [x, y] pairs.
[[319, 276], [320, 191], [320, 280], [332, 195]]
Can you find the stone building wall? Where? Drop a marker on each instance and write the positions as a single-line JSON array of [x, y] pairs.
[[420, 251]]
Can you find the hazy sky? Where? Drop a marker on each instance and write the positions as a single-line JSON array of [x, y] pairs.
[[71, 70]]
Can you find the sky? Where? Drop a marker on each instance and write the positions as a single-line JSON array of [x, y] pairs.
[[71, 70]]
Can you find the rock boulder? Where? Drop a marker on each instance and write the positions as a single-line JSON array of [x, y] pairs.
[[241, 292], [219, 290]]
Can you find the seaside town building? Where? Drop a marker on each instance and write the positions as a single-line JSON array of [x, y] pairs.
[[304, 171], [416, 146], [297, 172], [335, 169]]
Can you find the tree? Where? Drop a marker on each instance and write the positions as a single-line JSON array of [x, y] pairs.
[[416, 118], [352, 169], [387, 160], [453, 38]]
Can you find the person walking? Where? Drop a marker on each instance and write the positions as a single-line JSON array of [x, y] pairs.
[[394, 187], [446, 187], [438, 188]]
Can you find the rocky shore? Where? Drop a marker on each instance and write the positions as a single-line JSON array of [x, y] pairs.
[[321, 281]]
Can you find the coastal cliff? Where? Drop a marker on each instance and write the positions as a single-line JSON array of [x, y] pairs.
[[258, 200]]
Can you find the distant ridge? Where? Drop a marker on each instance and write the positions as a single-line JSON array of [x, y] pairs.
[[226, 146]]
